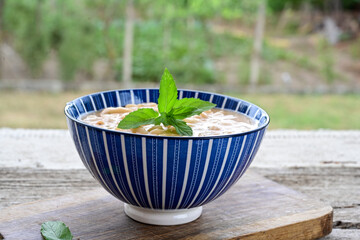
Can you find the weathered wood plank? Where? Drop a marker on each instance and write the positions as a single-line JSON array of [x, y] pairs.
[[342, 234], [21, 185], [255, 208], [339, 187]]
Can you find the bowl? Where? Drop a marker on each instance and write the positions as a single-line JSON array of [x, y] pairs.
[[163, 180]]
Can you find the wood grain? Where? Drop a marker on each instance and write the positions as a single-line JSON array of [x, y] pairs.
[[255, 208]]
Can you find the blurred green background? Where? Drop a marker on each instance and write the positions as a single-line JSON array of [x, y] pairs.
[[299, 60]]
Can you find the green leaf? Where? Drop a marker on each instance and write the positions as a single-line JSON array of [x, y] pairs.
[[188, 107], [142, 116], [181, 127], [162, 119], [183, 112], [55, 230], [168, 93]]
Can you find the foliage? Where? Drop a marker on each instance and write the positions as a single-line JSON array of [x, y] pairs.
[[188, 58], [24, 19], [272, 54], [278, 5], [354, 49], [40, 26], [174, 34], [199, 9], [326, 60]]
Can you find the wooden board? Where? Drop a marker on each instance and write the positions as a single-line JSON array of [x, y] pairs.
[[255, 208]]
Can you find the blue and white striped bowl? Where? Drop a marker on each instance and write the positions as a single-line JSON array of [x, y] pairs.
[[159, 172]]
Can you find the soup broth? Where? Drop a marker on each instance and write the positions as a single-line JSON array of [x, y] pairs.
[[209, 123]]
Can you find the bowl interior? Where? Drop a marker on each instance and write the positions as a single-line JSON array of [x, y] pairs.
[[117, 98]]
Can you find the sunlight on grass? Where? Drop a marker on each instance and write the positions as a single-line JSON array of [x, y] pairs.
[[34, 110], [310, 111], [45, 110]]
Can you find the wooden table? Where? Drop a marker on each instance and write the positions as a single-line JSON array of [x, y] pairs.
[[38, 164]]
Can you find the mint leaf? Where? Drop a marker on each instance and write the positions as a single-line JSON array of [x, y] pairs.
[[183, 112], [188, 107], [181, 127], [55, 230], [168, 92], [163, 118], [142, 116]]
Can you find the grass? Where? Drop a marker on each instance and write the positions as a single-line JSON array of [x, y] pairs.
[[45, 110], [33, 109], [310, 111]]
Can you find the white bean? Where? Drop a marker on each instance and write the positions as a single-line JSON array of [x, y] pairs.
[[140, 130], [157, 131], [191, 120], [116, 110]]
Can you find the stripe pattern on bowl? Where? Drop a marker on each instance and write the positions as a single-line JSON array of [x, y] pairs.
[[163, 172]]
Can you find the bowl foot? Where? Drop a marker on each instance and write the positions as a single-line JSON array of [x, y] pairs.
[[162, 217]]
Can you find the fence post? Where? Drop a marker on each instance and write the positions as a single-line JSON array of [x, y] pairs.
[[258, 39], [128, 44], [2, 5]]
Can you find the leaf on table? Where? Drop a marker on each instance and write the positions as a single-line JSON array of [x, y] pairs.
[[55, 230]]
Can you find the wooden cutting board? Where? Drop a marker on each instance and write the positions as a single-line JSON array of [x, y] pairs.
[[255, 208]]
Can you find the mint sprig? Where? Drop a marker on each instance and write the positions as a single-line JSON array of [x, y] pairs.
[[171, 110]]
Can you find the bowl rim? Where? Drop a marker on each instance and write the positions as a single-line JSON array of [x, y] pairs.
[[68, 104]]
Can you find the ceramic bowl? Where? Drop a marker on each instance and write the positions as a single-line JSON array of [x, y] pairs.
[[163, 180]]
